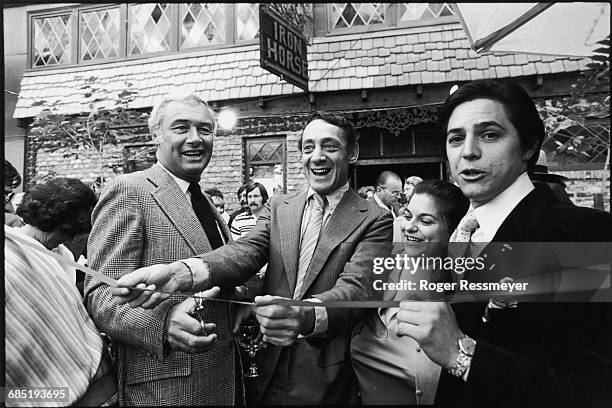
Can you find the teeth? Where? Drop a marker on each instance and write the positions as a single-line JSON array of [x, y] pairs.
[[320, 172], [191, 153], [413, 239]]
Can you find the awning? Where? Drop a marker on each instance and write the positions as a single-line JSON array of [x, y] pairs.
[[539, 28]]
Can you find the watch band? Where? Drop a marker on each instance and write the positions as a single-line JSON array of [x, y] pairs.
[[464, 359]]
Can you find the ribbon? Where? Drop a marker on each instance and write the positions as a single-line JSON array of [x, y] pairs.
[[112, 282]]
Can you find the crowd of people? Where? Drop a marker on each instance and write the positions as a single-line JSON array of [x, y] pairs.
[[162, 238]]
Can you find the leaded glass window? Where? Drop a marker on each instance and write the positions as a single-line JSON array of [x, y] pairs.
[[99, 34], [149, 28], [247, 21], [266, 162], [344, 15], [202, 24], [52, 40], [423, 11]]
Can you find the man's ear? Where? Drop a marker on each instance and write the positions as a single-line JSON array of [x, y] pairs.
[[528, 154], [353, 154], [155, 134]]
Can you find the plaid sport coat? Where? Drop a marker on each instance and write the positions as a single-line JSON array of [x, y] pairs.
[[143, 219]]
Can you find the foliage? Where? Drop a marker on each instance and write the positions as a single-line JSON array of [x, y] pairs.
[[104, 123], [589, 100]]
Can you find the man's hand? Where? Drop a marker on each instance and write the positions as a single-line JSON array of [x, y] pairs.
[[185, 331], [434, 327], [280, 325], [241, 312], [169, 278]]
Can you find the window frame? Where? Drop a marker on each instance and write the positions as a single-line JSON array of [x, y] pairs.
[[391, 22], [76, 12], [264, 138]]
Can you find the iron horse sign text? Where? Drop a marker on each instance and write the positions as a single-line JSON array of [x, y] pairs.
[[282, 48]]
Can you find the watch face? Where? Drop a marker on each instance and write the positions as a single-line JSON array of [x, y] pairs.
[[467, 345]]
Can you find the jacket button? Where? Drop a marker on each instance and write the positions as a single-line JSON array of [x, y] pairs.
[[418, 392], [418, 349]]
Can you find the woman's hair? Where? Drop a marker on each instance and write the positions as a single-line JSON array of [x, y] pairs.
[[57, 203], [449, 199], [262, 190]]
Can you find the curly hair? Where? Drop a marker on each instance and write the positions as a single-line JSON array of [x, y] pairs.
[[12, 178], [57, 203]]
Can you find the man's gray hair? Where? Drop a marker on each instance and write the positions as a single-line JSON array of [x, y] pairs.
[[189, 98]]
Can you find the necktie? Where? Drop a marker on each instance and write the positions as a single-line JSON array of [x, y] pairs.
[[463, 234], [309, 242], [205, 215]]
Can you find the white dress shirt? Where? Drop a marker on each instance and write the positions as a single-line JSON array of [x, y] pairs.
[[184, 185], [492, 214]]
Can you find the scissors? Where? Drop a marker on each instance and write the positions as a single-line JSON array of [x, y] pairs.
[[199, 312]]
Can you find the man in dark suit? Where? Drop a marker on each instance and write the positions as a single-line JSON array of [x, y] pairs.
[[307, 361], [164, 356], [510, 352]]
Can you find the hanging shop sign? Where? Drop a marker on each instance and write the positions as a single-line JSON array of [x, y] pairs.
[[282, 48]]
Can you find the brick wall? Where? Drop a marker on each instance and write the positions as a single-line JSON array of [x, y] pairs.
[[583, 184], [226, 169], [84, 167]]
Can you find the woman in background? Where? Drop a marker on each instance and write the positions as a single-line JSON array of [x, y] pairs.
[[50, 339], [392, 369]]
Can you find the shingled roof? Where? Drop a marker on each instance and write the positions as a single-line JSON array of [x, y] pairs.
[[398, 57]]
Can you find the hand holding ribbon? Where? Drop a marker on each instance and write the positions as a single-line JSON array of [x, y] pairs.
[[165, 279]]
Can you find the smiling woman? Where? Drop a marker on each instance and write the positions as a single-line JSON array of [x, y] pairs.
[[392, 369]]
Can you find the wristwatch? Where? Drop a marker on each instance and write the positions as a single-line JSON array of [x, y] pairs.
[[466, 346]]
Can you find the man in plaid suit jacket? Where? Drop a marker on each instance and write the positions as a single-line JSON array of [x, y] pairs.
[[307, 361], [146, 218]]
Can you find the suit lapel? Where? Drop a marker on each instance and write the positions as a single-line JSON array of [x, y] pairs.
[[174, 204], [290, 214], [348, 215]]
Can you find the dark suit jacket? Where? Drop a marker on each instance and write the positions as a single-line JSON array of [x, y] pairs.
[[541, 353], [315, 370], [144, 219]]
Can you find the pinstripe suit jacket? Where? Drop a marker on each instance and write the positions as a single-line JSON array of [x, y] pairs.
[[144, 219], [315, 370]]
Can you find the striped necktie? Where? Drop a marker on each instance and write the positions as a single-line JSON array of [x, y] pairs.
[[309, 241]]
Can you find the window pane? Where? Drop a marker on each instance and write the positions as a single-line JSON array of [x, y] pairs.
[[202, 24], [356, 14], [247, 21], [423, 11], [52, 40], [99, 34], [149, 28], [265, 163]]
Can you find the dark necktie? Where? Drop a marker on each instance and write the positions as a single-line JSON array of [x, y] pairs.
[[205, 215]]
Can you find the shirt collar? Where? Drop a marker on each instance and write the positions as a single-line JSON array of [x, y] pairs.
[[491, 215], [183, 184], [333, 198]]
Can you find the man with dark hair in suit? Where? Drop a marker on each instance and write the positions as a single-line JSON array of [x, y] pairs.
[[319, 245], [165, 356], [510, 352]]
